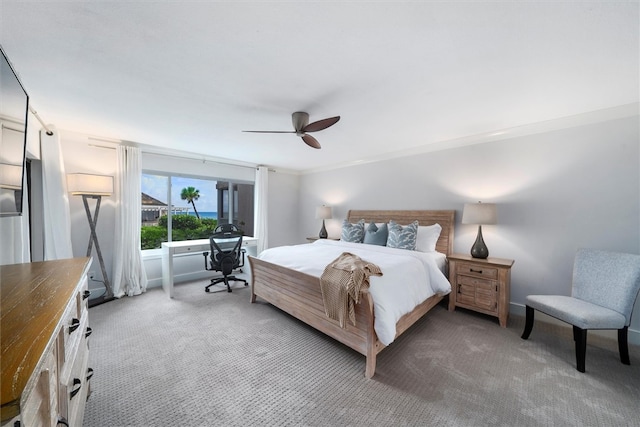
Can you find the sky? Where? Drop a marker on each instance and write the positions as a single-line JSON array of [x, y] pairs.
[[156, 187]]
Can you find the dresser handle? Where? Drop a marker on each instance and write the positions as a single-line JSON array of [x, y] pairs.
[[89, 373], [75, 324], [475, 271], [62, 421], [86, 294], [88, 332], [76, 382]]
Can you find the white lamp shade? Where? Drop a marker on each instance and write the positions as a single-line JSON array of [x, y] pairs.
[[91, 185], [10, 176], [323, 212], [479, 213]]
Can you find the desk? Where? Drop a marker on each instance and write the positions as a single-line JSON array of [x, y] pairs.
[[169, 249]]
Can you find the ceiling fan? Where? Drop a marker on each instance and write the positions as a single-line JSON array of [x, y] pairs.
[[301, 126]]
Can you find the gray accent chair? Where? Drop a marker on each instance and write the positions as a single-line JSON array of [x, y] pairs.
[[604, 289]]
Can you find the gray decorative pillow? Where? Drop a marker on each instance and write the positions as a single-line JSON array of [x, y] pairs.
[[352, 232], [402, 237], [375, 235]]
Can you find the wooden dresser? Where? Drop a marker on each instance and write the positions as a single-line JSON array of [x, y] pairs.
[[482, 285], [45, 353]]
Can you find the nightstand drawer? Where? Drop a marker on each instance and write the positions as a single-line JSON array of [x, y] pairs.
[[476, 293], [477, 270]]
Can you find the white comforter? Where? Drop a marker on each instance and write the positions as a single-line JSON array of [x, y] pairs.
[[409, 277]]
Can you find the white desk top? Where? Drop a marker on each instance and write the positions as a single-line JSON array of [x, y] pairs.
[[246, 241]]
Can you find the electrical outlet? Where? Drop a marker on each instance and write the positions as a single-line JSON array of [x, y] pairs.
[[92, 274]]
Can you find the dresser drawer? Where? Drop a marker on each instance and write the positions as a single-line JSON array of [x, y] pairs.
[[74, 342], [69, 331], [477, 271], [75, 387], [41, 407]]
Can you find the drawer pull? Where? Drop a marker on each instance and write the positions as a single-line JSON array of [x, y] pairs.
[[62, 421], [475, 271], [86, 294], [75, 390], [89, 373], [75, 324], [88, 332]]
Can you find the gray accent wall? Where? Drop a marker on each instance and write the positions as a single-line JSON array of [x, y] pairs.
[[556, 192]]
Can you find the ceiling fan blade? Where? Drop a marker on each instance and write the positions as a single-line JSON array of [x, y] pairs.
[[321, 124], [269, 131], [310, 141]]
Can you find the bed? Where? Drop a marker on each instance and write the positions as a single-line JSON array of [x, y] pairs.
[[298, 293]]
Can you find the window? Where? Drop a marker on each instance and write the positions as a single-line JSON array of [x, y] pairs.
[[178, 208]]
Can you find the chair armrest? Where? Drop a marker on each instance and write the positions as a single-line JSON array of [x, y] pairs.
[[243, 251]]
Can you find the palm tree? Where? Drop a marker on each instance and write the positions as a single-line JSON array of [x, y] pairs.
[[190, 194]]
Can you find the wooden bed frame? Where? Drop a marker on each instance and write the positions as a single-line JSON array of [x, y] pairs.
[[299, 294]]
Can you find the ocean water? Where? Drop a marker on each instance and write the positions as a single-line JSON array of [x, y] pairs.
[[213, 215]]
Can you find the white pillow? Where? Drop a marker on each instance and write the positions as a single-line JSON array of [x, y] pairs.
[[428, 237]]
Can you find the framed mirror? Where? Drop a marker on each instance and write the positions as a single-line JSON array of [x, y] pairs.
[[14, 110]]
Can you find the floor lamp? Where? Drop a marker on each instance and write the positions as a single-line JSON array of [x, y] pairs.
[[93, 187]]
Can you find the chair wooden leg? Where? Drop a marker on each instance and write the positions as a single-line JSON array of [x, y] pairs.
[[580, 337], [623, 346], [528, 324]]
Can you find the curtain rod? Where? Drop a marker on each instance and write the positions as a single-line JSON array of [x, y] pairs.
[[35, 113], [203, 160]]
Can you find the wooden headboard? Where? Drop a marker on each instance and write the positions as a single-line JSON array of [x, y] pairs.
[[446, 219]]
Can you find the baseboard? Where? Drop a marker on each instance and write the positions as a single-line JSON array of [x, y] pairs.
[[519, 310]]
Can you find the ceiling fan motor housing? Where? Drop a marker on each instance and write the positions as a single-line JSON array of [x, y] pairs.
[[299, 119]]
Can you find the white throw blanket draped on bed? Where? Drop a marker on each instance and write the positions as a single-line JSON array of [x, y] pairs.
[[410, 277]]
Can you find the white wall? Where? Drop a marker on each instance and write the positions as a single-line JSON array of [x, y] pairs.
[[284, 213], [556, 192]]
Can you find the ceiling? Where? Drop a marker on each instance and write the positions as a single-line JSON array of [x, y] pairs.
[[402, 75]]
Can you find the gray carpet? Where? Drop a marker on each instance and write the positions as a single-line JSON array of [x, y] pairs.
[[216, 360]]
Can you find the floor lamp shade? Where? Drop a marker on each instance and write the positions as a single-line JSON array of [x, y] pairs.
[[323, 212], [79, 184], [481, 214]]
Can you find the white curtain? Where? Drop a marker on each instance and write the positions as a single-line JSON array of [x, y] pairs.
[[261, 194], [57, 221], [129, 275]]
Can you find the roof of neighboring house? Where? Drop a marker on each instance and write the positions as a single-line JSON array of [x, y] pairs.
[[147, 200]]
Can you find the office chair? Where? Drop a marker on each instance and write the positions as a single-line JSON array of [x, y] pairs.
[[226, 228], [604, 288], [226, 255]]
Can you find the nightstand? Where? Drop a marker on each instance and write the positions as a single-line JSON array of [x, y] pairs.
[[481, 285]]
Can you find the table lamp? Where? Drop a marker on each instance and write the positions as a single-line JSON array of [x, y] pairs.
[[479, 213], [323, 212]]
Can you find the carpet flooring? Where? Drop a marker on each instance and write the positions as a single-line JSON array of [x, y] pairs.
[[214, 359]]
